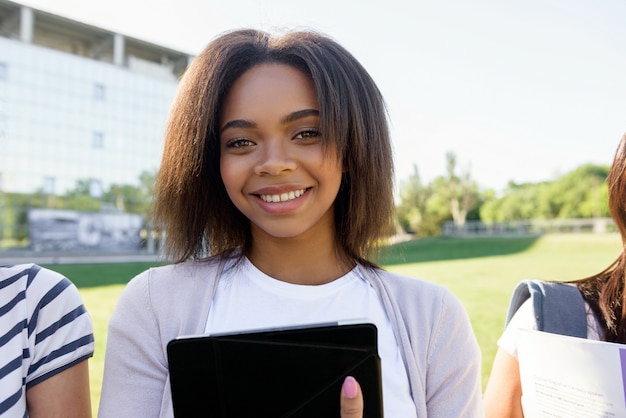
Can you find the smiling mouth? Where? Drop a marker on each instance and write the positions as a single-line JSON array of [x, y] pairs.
[[283, 197]]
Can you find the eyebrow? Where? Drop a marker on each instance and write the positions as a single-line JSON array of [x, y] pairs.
[[243, 123], [299, 115]]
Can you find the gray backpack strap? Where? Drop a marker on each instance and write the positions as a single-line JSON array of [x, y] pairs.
[[559, 307]]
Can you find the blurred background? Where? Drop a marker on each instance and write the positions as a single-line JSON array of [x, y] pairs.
[[504, 117]]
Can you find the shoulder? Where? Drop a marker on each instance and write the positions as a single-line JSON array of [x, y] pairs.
[[39, 284], [556, 307], [31, 274], [416, 296], [412, 288], [174, 296], [180, 276]]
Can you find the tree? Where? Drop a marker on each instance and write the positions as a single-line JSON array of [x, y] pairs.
[[133, 198], [82, 196], [459, 193], [581, 193], [412, 211]]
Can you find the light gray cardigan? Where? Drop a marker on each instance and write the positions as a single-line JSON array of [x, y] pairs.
[[436, 340]]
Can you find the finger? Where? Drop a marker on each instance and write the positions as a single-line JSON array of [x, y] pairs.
[[351, 399]]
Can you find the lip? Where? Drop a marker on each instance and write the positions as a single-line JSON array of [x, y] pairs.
[[282, 197], [289, 198]]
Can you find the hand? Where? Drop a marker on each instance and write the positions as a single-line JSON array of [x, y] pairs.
[[351, 399]]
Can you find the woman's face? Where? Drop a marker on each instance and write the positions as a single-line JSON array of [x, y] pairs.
[[272, 160]]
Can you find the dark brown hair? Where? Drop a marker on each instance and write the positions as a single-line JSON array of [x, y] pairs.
[[191, 202], [605, 291]]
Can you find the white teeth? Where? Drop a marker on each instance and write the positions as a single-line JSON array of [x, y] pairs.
[[283, 197]]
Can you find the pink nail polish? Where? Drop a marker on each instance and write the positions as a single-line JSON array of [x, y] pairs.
[[350, 389]]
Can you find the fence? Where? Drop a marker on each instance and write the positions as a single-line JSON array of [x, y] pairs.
[[529, 227]]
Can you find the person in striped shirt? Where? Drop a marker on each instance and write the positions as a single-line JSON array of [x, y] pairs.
[[46, 339]]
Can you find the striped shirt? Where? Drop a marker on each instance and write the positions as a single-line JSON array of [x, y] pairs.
[[44, 329]]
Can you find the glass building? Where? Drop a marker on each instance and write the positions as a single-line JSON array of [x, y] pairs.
[[82, 117]]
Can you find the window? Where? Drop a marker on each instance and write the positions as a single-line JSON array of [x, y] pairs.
[[48, 185], [97, 140], [95, 189], [99, 91], [4, 125]]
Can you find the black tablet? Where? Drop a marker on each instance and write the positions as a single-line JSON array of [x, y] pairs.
[[287, 372]]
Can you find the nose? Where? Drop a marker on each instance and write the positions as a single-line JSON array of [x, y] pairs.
[[275, 159]]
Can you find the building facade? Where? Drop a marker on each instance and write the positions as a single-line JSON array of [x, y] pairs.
[[82, 117]]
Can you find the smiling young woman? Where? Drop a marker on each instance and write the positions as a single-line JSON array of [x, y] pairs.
[[278, 173], [271, 149], [275, 186]]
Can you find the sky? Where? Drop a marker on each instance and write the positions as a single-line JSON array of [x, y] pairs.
[[519, 91]]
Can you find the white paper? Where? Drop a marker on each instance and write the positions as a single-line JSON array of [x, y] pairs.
[[571, 377]]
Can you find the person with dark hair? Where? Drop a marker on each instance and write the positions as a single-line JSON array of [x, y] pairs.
[[275, 189], [46, 340], [603, 312]]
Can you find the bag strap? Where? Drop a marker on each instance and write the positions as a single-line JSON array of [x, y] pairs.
[[559, 308]]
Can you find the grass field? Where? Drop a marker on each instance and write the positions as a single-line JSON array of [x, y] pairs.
[[480, 271]]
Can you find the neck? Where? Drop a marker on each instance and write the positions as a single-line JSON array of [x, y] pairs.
[[300, 260]]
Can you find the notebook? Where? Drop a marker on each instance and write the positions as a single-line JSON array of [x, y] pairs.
[[287, 372]]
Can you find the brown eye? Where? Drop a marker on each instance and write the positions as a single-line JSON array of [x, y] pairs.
[[239, 143], [308, 134]]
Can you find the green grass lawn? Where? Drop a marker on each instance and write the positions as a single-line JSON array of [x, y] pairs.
[[485, 273], [480, 271]]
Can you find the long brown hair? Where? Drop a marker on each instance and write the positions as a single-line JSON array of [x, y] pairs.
[[606, 292], [191, 203]]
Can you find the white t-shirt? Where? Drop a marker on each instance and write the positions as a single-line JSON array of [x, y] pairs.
[[248, 299], [524, 319]]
